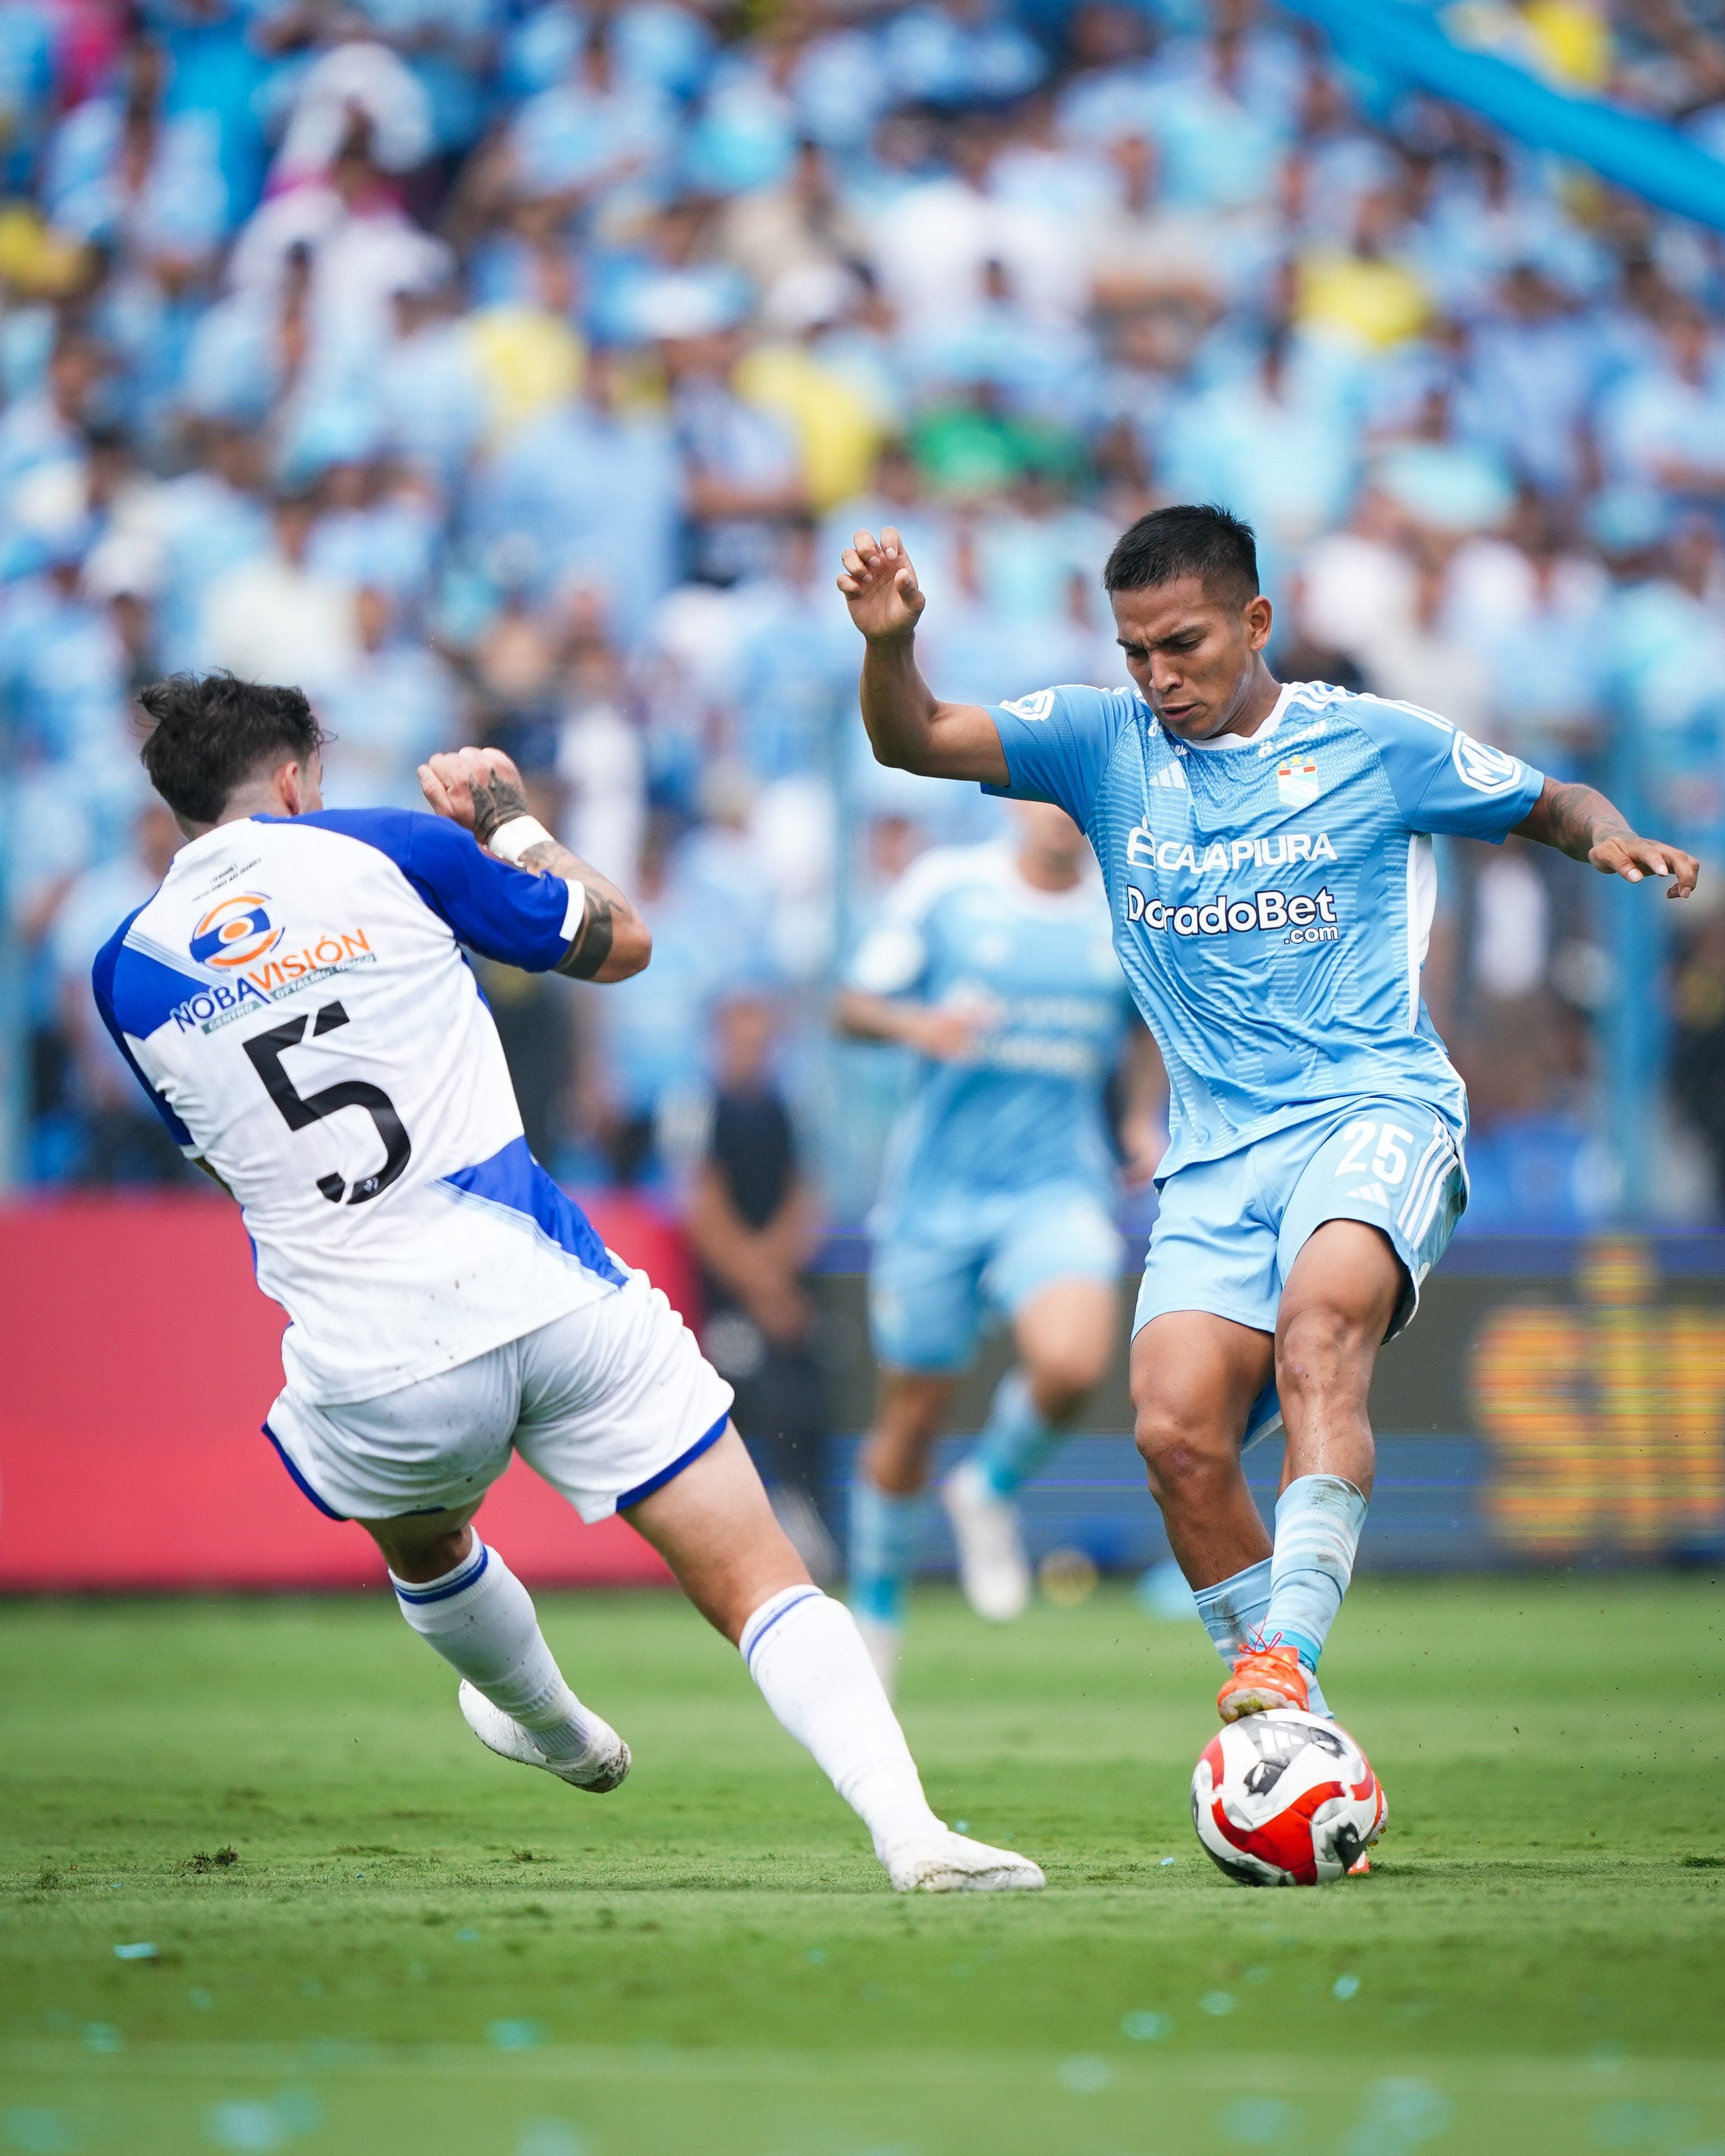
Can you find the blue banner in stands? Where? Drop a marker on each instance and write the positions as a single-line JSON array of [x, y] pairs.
[[1640, 154]]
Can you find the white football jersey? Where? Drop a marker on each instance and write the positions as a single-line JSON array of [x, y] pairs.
[[296, 1001]]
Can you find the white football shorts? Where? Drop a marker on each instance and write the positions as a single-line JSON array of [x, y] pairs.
[[608, 1402]]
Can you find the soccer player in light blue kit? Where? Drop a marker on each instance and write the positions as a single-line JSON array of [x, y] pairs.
[[1267, 852], [996, 966]]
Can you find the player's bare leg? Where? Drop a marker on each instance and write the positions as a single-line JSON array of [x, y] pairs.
[[714, 1527], [1336, 1310], [1198, 1383], [884, 1516], [1064, 1334], [1195, 1376], [465, 1602], [1340, 1298]]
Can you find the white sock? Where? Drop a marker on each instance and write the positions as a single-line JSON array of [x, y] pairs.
[[480, 1618], [805, 1651]]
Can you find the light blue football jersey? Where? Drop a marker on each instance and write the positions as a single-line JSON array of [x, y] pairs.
[[963, 928], [1272, 897]]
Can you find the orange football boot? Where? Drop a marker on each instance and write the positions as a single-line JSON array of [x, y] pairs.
[[1264, 1678]]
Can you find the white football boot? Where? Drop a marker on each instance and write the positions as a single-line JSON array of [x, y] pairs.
[[993, 1568], [601, 1766], [884, 1642], [948, 1863]]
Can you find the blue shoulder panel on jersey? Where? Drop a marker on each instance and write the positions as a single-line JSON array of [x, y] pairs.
[[134, 994], [502, 912], [142, 992], [512, 1178], [1443, 779], [1057, 743]]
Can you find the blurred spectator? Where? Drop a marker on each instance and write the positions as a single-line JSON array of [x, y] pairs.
[[1665, 425], [753, 1220], [589, 492], [597, 139], [389, 707], [600, 760], [743, 471], [276, 618], [126, 1140], [801, 222]]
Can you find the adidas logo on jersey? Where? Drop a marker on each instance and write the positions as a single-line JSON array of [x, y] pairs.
[[1172, 775]]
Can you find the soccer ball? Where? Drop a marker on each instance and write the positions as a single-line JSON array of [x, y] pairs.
[[1285, 1799]]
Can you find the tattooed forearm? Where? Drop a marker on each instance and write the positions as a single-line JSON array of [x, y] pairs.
[[592, 946], [1574, 819], [548, 857], [497, 801]]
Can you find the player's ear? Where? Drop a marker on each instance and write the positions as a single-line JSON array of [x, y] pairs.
[[1259, 615]]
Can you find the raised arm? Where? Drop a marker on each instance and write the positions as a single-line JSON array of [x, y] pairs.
[[1582, 822], [481, 790], [909, 727]]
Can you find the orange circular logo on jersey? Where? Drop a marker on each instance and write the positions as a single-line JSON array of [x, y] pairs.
[[235, 932]]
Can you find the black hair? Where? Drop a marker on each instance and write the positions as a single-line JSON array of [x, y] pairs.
[[1187, 541], [212, 733]]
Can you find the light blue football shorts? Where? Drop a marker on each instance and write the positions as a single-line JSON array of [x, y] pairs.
[[937, 1280], [1228, 1230]]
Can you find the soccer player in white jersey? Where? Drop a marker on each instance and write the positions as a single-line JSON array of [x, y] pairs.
[[995, 965], [1267, 855], [295, 1000]]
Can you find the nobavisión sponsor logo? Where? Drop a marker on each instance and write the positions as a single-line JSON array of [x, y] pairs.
[[284, 975]]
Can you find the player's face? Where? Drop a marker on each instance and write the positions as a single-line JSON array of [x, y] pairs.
[[1194, 656]]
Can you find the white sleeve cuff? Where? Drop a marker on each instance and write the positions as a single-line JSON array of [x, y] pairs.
[[577, 912]]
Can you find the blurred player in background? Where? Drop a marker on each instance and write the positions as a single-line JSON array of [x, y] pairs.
[[1267, 857], [295, 1000], [995, 965]]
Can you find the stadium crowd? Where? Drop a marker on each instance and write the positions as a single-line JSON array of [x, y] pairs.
[[516, 373]]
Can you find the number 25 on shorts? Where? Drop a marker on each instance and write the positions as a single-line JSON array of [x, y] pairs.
[[1389, 1163]]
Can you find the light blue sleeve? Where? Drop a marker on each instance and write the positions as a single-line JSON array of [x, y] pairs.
[[892, 959], [1443, 779], [1057, 745]]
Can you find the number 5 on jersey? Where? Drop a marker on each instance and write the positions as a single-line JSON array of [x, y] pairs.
[[298, 1110]]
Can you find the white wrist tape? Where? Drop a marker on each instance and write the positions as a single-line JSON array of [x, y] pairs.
[[511, 840]]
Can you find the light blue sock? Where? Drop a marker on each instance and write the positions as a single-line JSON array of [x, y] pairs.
[[884, 1532], [1318, 1518], [1236, 1609], [1015, 1439]]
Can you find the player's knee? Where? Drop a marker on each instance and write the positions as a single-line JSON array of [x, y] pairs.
[[1323, 1350], [1179, 1449], [1060, 1382], [419, 1556]]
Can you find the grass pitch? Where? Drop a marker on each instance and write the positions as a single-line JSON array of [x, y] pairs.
[[372, 1936]]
